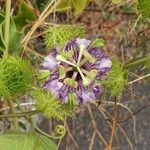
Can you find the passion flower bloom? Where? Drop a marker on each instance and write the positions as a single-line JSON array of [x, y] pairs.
[[76, 69]]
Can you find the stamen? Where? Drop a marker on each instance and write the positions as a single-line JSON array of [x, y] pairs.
[[82, 47], [85, 71], [74, 75], [62, 58], [89, 57], [85, 81], [83, 61]]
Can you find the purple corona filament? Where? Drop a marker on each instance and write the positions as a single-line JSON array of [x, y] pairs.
[[76, 69]]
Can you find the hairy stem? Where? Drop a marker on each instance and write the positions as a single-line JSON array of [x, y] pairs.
[[7, 27]]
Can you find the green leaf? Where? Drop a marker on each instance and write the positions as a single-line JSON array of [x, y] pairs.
[[14, 38], [25, 13], [98, 43], [26, 141], [77, 6]]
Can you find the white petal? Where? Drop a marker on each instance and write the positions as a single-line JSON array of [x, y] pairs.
[[88, 96], [83, 42], [105, 63], [49, 62]]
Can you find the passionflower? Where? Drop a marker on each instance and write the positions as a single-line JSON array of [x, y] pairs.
[[76, 69]]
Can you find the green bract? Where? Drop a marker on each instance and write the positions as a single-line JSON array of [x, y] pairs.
[[117, 79], [60, 35], [50, 105], [15, 77]]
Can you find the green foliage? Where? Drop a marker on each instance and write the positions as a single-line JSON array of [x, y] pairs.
[[50, 105], [17, 23], [60, 35], [15, 77], [25, 13], [143, 7], [26, 141], [116, 80], [77, 6], [14, 38]]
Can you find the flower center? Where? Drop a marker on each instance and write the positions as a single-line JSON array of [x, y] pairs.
[[75, 72]]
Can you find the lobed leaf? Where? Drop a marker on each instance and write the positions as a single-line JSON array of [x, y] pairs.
[[26, 141]]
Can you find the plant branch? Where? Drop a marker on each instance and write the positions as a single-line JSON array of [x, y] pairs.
[[140, 78], [23, 114], [109, 147], [7, 27], [47, 135]]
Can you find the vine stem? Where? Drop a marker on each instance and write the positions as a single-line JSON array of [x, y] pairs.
[[47, 135], [15, 119], [7, 27], [23, 114], [6, 40]]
